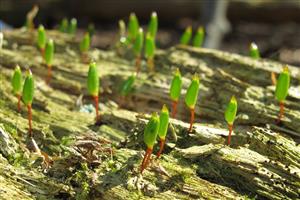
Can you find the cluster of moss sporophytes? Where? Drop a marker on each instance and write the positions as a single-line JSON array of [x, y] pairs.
[[198, 39]]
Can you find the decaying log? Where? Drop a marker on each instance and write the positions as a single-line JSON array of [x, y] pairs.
[[263, 160]]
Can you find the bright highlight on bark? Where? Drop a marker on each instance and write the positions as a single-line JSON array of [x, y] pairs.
[[137, 49], [282, 88], [149, 51], [153, 25], [17, 85], [49, 54], [191, 98], [150, 134], [230, 114], [27, 96], [42, 39], [163, 128], [186, 36], [175, 91], [93, 86], [133, 27], [254, 51], [199, 37]]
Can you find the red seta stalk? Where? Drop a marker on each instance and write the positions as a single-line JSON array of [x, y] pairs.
[[43, 52], [49, 74], [174, 108], [192, 119], [138, 64], [146, 159], [29, 119], [161, 147], [96, 101], [230, 127], [19, 102], [281, 111]]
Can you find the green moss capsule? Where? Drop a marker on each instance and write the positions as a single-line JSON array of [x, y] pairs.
[[153, 24], [133, 27], [149, 46], [283, 84], [49, 52], [151, 131], [91, 29], [64, 25], [138, 43], [41, 37], [199, 37], [230, 112], [192, 92], [127, 86], [254, 51], [17, 81], [93, 80], [28, 89], [85, 43], [164, 122], [176, 84], [186, 36], [72, 26]]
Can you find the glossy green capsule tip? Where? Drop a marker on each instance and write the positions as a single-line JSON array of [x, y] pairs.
[[153, 24], [186, 36], [41, 37], [176, 84], [85, 43], [73, 26], [254, 51], [28, 89], [133, 27], [164, 122], [283, 84], [199, 37], [49, 52], [17, 81], [192, 92], [93, 80], [151, 131], [127, 86], [149, 46], [138, 43], [231, 110]]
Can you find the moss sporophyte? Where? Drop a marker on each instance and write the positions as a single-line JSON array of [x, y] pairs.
[[127, 85], [254, 51], [175, 91], [281, 91], [133, 27], [153, 25], [64, 25], [150, 134], [191, 98], [93, 86], [230, 114], [199, 37], [27, 96], [186, 36], [137, 49], [84, 46], [17, 85], [72, 26], [49, 54], [42, 39], [149, 51], [163, 128]]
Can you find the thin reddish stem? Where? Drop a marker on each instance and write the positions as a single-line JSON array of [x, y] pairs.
[[174, 108], [138, 64], [49, 74], [43, 52], [230, 127], [192, 119], [146, 159], [150, 64], [161, 147], [96, 101], [281, 111], [19, 102], [29, 119]]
